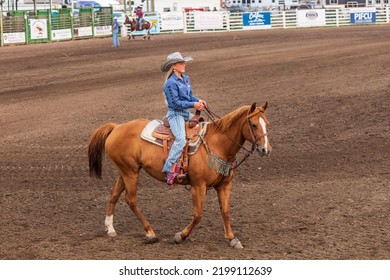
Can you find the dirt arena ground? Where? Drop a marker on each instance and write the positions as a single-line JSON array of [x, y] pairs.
[[322, 194]]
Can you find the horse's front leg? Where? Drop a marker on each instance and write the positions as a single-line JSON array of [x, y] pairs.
[[115, 194], [198, 197], [131, 181], [223, 192]]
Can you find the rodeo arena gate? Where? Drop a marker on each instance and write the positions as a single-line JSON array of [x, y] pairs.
[[27, 27]]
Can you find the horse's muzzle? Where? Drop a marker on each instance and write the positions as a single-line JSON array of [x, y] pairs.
[[263, 152]]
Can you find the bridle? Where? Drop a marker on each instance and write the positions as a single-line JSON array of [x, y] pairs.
[[211, 115], [254, 139]]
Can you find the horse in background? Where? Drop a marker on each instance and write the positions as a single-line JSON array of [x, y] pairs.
[[212, 166], [133, 26]]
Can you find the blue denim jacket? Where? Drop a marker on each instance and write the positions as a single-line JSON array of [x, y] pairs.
[[179, 93]]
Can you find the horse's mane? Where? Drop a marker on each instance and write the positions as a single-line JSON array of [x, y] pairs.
[[228, 120]]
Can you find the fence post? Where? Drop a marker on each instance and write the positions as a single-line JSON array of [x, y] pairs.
[[26, 28], [284, 19], [337, 18], [185, 22], [49, 27], [387, 14], [227, 21], [72, 23], [1, 26], [93, 23]]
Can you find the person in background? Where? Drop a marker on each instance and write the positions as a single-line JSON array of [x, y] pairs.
[[115, 30], [179, 98], [140, 17]]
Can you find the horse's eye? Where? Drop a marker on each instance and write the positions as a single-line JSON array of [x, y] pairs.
[[254, 126]]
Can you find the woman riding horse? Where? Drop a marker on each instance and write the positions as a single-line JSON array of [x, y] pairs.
[[134, 25], [212, 166]]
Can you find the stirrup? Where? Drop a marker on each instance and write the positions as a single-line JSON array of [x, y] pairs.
[[173, 175]]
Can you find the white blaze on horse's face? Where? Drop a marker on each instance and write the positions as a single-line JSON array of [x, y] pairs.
[[265, 147], [264, 127]]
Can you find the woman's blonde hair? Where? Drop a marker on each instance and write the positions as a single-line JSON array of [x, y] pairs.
[[167, 75]]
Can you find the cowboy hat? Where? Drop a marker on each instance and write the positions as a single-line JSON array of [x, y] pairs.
[[172, 59]]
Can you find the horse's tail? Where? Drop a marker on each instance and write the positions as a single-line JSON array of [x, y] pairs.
[[96, 148]]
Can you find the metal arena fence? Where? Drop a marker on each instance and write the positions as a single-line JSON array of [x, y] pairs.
[[26, 27]]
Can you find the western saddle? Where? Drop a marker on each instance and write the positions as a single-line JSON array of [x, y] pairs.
[[164, 134]]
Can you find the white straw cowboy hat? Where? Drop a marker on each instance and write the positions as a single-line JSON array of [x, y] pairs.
[[172, 59]]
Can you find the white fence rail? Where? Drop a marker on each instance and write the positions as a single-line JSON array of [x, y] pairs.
[[220, 21], [223, 21]]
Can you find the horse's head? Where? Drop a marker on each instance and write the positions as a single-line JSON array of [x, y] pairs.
[[256, 129], [130, 20]]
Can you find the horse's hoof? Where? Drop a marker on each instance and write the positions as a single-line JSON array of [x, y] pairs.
[[112, 234], [150, 240], [178, 238], [236, 244]]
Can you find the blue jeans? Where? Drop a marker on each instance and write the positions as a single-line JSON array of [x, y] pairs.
[[177, 124], [140, 20], [115, 40]]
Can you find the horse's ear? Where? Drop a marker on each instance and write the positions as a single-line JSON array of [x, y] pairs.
[[253, 107], [265, 105]]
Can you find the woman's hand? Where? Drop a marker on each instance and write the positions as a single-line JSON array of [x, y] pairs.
[[199, 105]]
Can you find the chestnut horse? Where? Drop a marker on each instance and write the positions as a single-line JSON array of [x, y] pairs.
[[133, 26], [212, 166]]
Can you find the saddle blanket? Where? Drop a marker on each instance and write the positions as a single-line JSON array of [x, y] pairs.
[[192, 146]]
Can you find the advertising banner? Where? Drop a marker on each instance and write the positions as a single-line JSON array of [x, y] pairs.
[[38, 29], [362, 15], [13, 38], [172, 21], [256, 20], [103, 30], [83, 31], [208, 20], [61, 34], [155, 29], [308, 18]]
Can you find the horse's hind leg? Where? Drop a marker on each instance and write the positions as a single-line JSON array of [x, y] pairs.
[[131, 181], [115, 194]]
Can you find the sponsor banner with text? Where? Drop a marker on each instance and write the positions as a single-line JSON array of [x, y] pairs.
[[14, 38], [61, 34], [38, 29], [256, 20], [172, 21], [308, 18], [208, 20], [362, 15]]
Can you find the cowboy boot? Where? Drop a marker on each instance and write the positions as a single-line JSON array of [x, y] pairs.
[[173, 173]]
